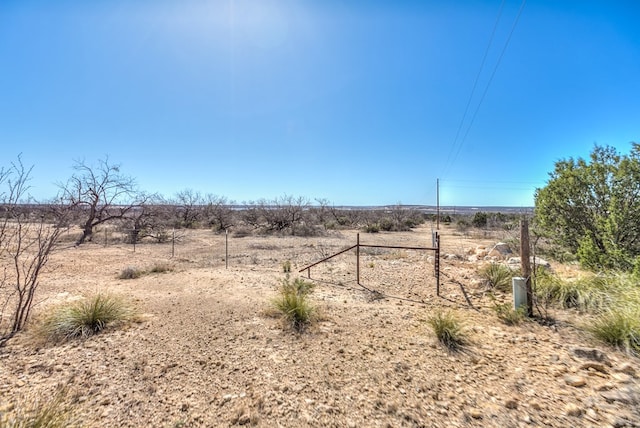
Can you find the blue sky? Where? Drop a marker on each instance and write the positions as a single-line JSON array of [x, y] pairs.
[[358, 102]]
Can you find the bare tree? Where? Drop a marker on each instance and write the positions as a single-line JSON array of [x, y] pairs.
[[189, 204], [218, 212], [25, 246], [100, 193]]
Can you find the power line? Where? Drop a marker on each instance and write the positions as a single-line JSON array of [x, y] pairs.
[[475, 83], [486, 89]]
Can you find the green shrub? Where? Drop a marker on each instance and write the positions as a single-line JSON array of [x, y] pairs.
[[293, 304], [619, 328], [497, 276], [130, 273], [372, 228], [448, 329], [83, 318], [587, 294], [508, 315]]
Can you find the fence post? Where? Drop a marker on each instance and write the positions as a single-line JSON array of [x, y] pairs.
[[173, 243], [358, 259], [226, 248], [436, 262]]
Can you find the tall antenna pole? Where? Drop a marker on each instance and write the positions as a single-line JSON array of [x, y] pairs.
[[437, 204]]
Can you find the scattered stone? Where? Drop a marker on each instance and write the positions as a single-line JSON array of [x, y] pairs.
[[617, 395], [572, 410], [595, 366], [626, 368], [592, 354], [535, 405], [511, 404], [575, 381], [475, 413]]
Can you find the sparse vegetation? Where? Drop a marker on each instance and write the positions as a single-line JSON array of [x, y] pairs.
[[293, 304], [449, 330], [83, 318], [131, 272], [161, 268], [497, 276], [508, 315], [589, 293], [619, 328], [46, 413]]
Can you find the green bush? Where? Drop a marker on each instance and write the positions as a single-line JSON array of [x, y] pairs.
[[293, 304], [448, 329], [83, 318], [589, 293], [497, 276]]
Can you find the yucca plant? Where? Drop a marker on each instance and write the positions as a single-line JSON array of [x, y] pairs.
[[85, 317], [449, 330], [293, 303], [497, 276]]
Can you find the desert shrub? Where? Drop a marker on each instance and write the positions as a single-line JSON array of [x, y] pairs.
[[83, 318], [130, 272], [619, 328], [508, 315], [449, 330], [386, 224], [497, 276], [36, 413], [293, 304], [588, 293], [161, 268], [372, 228]]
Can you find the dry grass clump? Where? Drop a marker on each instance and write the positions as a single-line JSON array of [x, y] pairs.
[[449, 330], [619, 328], [131, 272], [508, 315], [293, 303], [86, 317], [35, 413]]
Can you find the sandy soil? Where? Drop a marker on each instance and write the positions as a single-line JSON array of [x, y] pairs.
[[208, 353]]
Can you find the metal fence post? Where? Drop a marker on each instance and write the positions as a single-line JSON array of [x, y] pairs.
[[358, 259]]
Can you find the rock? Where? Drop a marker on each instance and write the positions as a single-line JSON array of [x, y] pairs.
[[500, 250], [626, 368], [535, 405], [592, 354], [617, 395], [594, 366], [572, 410], [575, 381], [475, 413], [511, 404], [537, 260]]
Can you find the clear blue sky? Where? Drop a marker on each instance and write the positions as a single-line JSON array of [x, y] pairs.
[[359, 102]]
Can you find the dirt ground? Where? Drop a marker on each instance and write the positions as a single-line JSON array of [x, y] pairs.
[[207, 353]]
